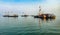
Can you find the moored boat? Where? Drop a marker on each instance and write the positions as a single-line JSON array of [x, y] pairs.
[[44, 16], [24, 15], [10, 15]]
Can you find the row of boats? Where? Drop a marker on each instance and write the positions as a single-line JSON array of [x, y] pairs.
[[40, 15]]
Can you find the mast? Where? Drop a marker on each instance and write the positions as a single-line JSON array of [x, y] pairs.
[[40, 10]]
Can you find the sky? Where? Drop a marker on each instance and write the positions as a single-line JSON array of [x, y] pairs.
[[30, 7]]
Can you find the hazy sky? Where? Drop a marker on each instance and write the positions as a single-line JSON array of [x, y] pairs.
[[28, 6]]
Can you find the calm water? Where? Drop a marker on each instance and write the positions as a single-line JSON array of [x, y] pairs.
[[29, 26]]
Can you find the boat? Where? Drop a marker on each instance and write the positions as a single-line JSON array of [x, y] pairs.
[[24, 15], [44, 16], [10, 15]]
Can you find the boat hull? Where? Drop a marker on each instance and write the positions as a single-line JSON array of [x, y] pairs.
[[24, 15], [47, 17], [10, 16]]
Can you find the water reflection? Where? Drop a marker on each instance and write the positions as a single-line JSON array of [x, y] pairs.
[[45, 25], [27, 26]]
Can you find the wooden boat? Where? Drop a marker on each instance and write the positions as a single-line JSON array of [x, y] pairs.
[[10, 15], [24, 15], [44, 16]]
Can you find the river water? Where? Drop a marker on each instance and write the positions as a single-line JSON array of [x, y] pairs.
[[29, 26]]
